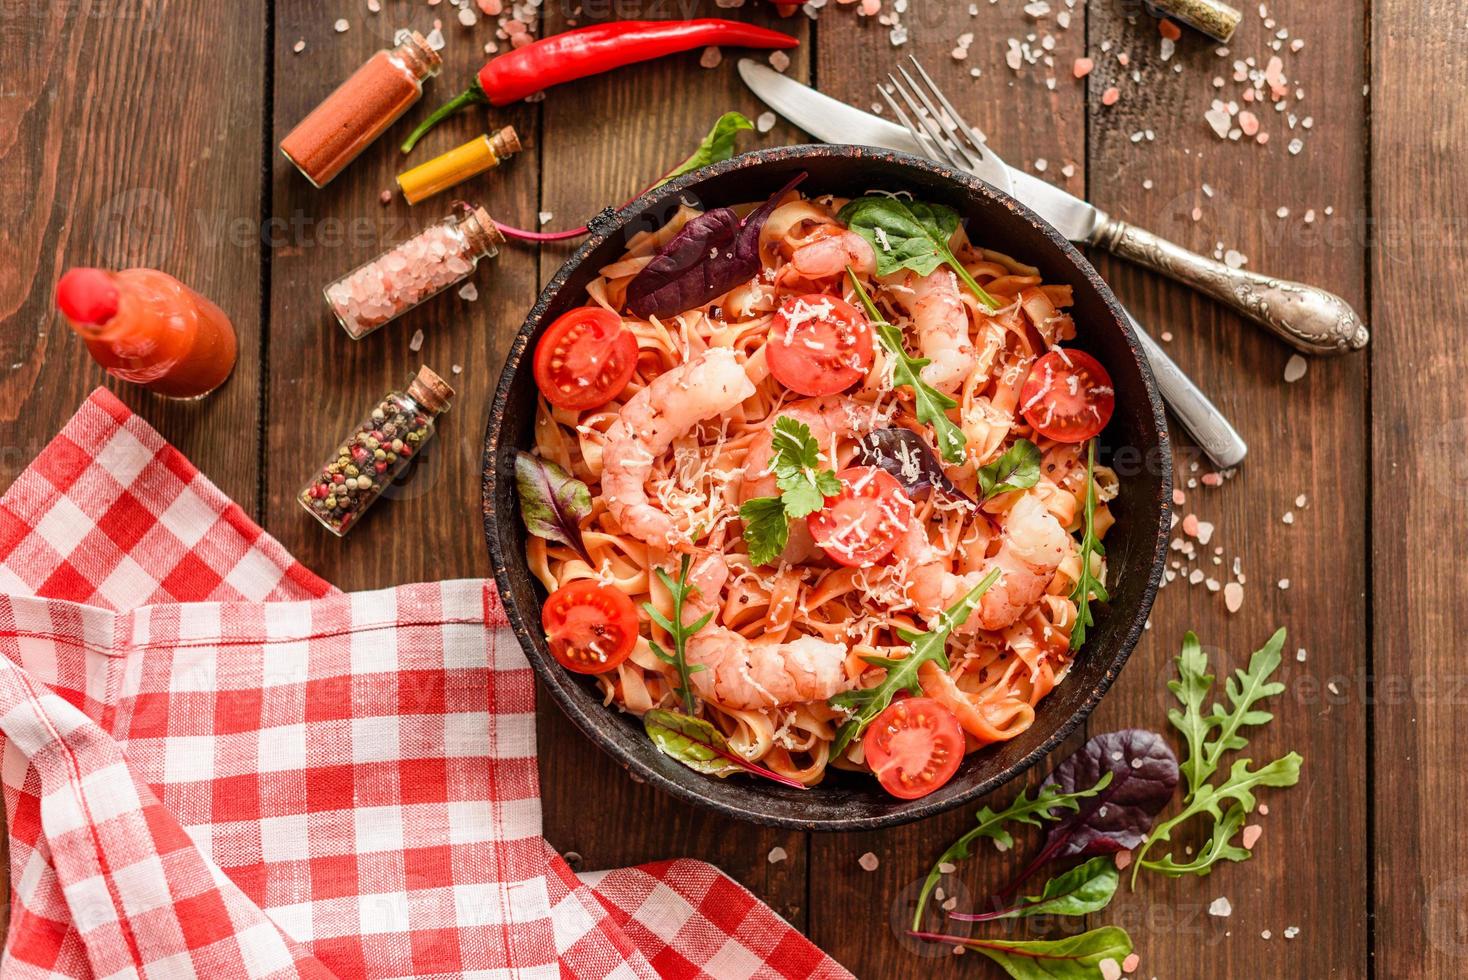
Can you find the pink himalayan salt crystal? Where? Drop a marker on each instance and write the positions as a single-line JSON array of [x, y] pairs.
[[1178, 497], [1212, 479], [1190, 525], [1083, 67], [1262, 138], [520, 40], [1131, 963], [1279, 87], [400, 278], [1110, 969], [870, 8], [1123, 860], [1249, 123], [491, 8], [1123, 59], [514, 27], [1110, 96], [1251, 836], [1264, 809]]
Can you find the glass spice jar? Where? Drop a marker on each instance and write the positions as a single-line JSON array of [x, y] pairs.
[[361, 108], [376, 452], [439, 256], [459, 164]]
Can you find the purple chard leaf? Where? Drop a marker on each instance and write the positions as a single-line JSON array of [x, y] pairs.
[[714, 252], [552, 502], [1144, 775]]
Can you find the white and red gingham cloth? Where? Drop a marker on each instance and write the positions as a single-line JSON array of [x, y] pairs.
[[215, 765]]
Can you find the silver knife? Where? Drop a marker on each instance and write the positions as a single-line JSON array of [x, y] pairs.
[[837, 122], [1313, 320]]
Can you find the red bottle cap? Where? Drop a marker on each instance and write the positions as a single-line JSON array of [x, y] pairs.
[[87, 296]]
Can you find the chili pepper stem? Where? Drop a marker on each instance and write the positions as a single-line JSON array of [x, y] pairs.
[[473, 95]]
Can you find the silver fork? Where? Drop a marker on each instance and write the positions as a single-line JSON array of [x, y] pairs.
[[947, 138]]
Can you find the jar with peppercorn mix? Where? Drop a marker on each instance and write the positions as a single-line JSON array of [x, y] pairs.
[[376, 452], [441, 255]]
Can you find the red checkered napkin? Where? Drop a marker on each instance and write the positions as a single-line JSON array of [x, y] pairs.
[[331, 786]]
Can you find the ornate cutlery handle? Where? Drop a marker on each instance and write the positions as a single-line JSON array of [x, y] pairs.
[[1313, 320]]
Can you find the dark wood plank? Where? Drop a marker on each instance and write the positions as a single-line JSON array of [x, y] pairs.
[[855, 915], [321, 382], [1308, 438], [605, 139], [119, 150], [1419, 429]]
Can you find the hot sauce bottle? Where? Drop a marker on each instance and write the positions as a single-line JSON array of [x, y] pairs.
[[146, 327]]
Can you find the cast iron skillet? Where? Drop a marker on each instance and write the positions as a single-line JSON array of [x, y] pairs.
[[1135, 443]]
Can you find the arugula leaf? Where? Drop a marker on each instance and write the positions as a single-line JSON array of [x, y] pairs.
[[1047, 803], [930, 404], [552, 502], [700, 746], [910, 236], [1208, 736], [766, 528], [1084, 889], [679, 631], [1072, 958], [804, 487], [902, 675], [718, 145], [1017, 469], [1087, 585]]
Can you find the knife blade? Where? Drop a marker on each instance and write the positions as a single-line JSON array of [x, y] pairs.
[[833, 121]]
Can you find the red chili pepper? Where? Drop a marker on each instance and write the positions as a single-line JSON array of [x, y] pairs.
[[512, 76]]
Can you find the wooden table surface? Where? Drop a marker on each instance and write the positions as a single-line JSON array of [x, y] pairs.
[[143, 132]]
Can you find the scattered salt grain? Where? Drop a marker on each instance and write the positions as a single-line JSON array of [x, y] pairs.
[[1301, 500], [1264, 809], [1296, 145], [545, 217], [777, 854], [1083, 67], [1110, 96], [1167, 336], [1235, 259], [765, 122], [1123, 860], [299, 46], [457, 368], [868, 861], [1292, 932], [467, 17], [947, 868], [1041, 165], [1295, 368], [1282, 213], [469, 292], [385, 198], [1212, 480], [416, 343], [1266, 935], [1205, 531], [1110, 969], [1300, 655], [1251, 836], [1284, 583], [1221, 908], [779, 60], [341, 25], [1131, 963], [1178, 497], [711, 57], [1288, 518], [1233, 596]]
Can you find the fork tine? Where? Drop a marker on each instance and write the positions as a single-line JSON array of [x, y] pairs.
[[924, 141], [960, 123], [968, 159], [946, 147]]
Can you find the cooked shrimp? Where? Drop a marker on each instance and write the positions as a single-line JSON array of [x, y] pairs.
[[711, 383], [830, 253], [742, 674], [1032, 544], [941, 320]]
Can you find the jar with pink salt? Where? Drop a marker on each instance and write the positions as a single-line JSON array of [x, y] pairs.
[[442, 255]]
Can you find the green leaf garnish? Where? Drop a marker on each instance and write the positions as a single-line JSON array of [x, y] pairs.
[[1088, 586], [1017, 469], [700, 746], [1084, 889], [1072, 958], [1047, 803], [804, 486], [930, 404], [902, 675], [553, 503], [1209, 734], [679, 590], [718, 145], [910, 236]]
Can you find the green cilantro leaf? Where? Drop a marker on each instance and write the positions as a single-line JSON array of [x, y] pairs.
[[766, 528], [1017, 469], [803, 484], [930, 404]]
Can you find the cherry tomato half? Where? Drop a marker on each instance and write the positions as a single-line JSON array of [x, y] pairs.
[[1068, 396], [861, 524], [818, 345], [591, 627], [914, 747], [585, 359]]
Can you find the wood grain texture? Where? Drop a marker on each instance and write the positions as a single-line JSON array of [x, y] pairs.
[[861, 917], [1420, 426], [1309, 869], [603, 140]]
